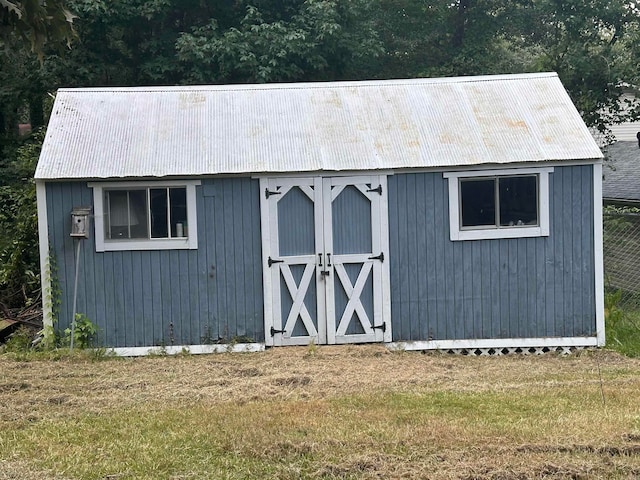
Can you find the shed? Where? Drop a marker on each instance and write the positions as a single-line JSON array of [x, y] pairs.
[[453, 213]]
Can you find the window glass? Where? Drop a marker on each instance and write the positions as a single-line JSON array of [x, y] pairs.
[[138, 213], [129, 216], [178, 197], [518, 201], [478, 202], [159, 213], [126, 215]]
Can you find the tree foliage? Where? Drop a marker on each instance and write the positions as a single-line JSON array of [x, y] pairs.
[[19, 266], [316, 40], [35, 22]]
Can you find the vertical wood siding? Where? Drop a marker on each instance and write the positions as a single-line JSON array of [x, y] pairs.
[[165, 297], [529, 287], [526, 287]]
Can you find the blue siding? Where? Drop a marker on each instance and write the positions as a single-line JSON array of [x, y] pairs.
[[515, 288], [522, 288], [141, 298]]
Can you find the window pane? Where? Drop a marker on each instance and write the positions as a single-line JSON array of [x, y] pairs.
[[159, 212], [178, 201], [117, 217], [478, 202], [518, 200], [138, 213], [126, 215]]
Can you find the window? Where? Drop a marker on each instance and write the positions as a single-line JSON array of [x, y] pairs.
[[499, 203], [134, 216]]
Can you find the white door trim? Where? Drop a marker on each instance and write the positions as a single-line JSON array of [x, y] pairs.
[[322, 191]]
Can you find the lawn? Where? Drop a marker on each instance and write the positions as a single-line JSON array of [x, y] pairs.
[[321, 413]]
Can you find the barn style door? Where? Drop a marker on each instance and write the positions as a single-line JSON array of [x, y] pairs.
[[326, 260]]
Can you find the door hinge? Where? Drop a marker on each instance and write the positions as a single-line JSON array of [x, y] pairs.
[[378, 257], [271, 261], [382, 327], [378, 189], [274, 331], [268, 193]]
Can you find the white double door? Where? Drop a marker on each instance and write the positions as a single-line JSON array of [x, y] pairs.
[[325, 260]]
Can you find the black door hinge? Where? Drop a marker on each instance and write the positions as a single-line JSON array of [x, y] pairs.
[[268, 193], [378, 257], [274, 331], [382, 327], [379, 190], [271, 261]]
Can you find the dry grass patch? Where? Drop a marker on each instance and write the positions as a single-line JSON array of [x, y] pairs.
[[344, 412]]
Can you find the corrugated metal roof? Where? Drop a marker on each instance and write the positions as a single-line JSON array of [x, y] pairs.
[[392, 124]]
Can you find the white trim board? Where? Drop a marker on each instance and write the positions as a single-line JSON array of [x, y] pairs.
[[409, 345], [188, 243], [598, 253], [495, 343], [456, 233], [186, 349], [43, 240]]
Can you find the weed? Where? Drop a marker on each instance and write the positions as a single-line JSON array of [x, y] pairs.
[[84, 332], [312, 349], [160, 351]]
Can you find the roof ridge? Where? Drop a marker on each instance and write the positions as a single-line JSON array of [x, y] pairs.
[[312, 85]]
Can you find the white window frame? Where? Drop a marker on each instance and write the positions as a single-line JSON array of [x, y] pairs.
[[456, 233], [106, 245]]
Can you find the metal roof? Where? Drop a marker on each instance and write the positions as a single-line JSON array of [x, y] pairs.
[[309, 127]]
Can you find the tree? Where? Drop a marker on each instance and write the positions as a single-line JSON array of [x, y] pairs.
[[36, 22], [309, 40], [593, 45]]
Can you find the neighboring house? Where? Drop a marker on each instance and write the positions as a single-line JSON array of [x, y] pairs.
[[454, 213], [627, 131], [621, 182]]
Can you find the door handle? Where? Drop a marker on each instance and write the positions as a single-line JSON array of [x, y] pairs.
[[324, 272]]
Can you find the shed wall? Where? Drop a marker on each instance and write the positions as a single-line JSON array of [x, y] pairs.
[[515, 288], [530, 287], [165, 297]]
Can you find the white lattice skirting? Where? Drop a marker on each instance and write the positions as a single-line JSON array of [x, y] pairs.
[[504, 346], [481, 352]]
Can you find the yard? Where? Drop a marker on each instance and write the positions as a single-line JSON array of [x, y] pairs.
[[321, 412]]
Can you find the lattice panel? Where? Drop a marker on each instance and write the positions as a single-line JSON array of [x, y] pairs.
[[481, 352]]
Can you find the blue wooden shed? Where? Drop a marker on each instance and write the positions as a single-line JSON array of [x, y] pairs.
[[456, 213]]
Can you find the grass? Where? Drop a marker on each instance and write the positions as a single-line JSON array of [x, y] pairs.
[[623, 333], [347, 412]]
